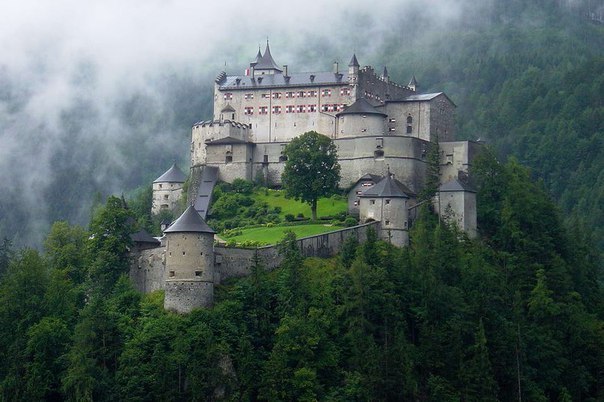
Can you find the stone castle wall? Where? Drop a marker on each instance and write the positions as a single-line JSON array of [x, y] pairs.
[[148, 272]]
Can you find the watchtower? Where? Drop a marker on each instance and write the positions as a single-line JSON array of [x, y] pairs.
[[189, 263]]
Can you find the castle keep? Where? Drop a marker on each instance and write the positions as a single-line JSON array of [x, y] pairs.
[[382, 131]]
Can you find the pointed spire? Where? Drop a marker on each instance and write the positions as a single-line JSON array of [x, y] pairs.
[[266, 62], [353, 62], [385, 73], [257, 59], [413, 83]]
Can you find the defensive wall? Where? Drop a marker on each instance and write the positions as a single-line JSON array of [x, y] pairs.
[[148, 269]]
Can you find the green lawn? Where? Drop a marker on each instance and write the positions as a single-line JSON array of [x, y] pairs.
[[272, 235], [325, 207]]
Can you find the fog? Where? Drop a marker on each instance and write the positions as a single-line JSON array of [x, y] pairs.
[[98, 97]]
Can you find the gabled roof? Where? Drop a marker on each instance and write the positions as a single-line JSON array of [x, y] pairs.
[[361, 106], [143, 237], [189, 221], [353, 62], [172, 175], [388, 187], [413, 82], [227, 108], [267, 62], [423, 97], [226, 140], [456, 185]]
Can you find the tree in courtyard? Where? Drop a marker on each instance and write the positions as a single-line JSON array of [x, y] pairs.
[[312, 169]]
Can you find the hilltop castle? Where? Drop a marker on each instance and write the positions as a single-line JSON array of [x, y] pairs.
[[382, 131]]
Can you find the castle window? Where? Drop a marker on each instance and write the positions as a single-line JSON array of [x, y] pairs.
[[311, 94], [197, 273], [263, 110], [290, 95], [391, 129], [163, 206], [248, 111], [300, 108], [345, 91], [363, 130], [276, 109], [171, 274], [282, 158], [324, 108], [405, 224], [312, 108], [160, 186], [248, 96], [265, 160], [289, 109], [228, 96], [387, 202], [378, 154], [276, 95], [392, 120], [265, 96], [301, 94], [379, 142], [326, 92], [409, 129], [449, 159], [228, 159], [387, 223], [364, 116], [409, 120], [166, 196], [184, 253], [372, 202]]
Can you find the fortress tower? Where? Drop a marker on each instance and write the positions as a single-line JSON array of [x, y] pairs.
[[189, 263], [167, 190]]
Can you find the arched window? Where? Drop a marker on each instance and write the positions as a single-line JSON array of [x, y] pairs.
[[409, 124]]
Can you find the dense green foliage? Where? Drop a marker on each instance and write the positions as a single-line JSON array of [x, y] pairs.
[[312, 170], [445, 319]]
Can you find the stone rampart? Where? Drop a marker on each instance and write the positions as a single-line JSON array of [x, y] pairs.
[[234, 262]]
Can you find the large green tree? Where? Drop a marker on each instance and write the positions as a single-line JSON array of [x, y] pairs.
[[312, 169]]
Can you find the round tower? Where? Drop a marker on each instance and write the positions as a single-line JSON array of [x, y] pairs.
[[388, 202], [189, 263], [167, 190]]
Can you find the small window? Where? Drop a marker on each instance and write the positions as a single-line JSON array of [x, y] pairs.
[[378, 153], [387, 202], [197, 273], [379, 142], [228, 96], [228, 159], [409, 120], [184, 253], [171, 274], [160, 186], [409, 129], [387, 223], [265, 159], [392, 120], [372, 202]]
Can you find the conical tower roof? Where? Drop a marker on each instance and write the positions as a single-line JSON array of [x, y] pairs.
[[361, 106], [257, 59], [189, 221], [172, 175], [353, 62], [413, 82], [267, 62], [388, 187]]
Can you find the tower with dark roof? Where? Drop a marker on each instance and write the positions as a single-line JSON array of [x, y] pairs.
[[388, 201], [167, 190], [189, 281]]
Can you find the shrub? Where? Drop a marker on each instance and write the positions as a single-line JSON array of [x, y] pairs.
[[289, 218], [350, 221], [242, 186], [300, 215]]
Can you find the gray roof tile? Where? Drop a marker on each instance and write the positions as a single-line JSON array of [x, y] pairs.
[[361, 106], [388, 187], [189, 221], [172, 175]]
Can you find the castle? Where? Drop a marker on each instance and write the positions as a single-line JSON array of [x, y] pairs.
[[382, 131]]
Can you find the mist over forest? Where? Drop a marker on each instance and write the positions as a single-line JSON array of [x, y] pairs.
[[98, 99]]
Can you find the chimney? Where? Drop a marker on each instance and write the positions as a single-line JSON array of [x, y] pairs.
[[285, 72], [335, 67]]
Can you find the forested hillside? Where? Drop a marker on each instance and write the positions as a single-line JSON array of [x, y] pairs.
[[516, 315]]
